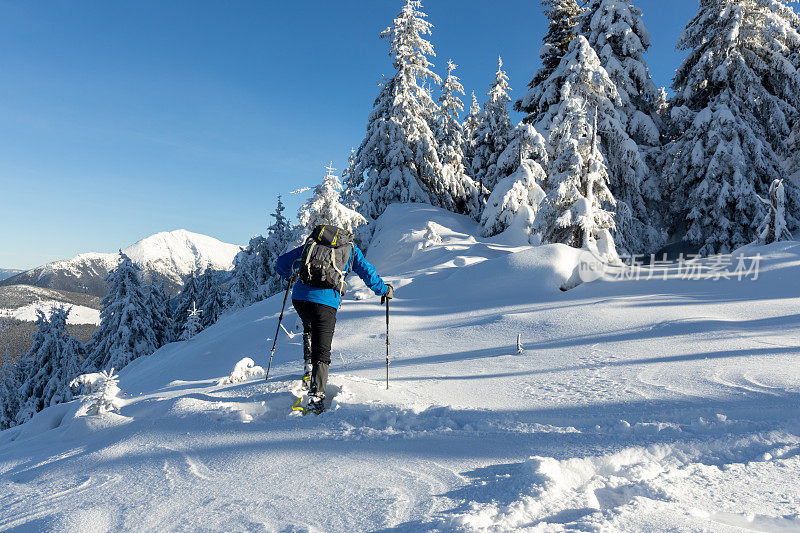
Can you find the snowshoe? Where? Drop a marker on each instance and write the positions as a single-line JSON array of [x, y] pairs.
[[315, 405]]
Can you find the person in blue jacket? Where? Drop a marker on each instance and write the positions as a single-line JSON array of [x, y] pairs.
[[317, 310]]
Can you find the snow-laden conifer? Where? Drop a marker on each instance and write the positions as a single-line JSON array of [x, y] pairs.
[[564, 16], [580, 80], [324, 207], [53, 361], [450, 141], [735, 95], [126, 322], [100, 391], [574, 211], [193, 324], [351, 182], [210, 297], [397, 158], [616, 31], [158, 303], [254, 277], [491, 133], [774, 227], [469, 126], [519, 191], [185, 302], [12, 374]]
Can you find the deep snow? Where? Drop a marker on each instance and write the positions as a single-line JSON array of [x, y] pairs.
[[646, 405]]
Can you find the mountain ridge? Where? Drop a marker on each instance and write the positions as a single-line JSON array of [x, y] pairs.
[[167, 256]]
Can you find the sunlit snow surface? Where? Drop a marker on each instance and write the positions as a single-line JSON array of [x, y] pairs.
[[645, 405]]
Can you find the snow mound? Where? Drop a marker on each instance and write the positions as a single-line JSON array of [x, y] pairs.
[[242, 371]]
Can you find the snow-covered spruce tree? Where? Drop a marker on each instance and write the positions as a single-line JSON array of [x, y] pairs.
[[193, 324], [210, 297], [574, 212], [126, 323], [184, 302], [580, 77], [773, 228], [564, 15], [491, 134], [735, 95], [54, 360], [254, 276], [397, 158], [519, 191], [324, 207], [12, 374], [450, 141], [351, 182], [469, 126], [616, 31], [158, 303]]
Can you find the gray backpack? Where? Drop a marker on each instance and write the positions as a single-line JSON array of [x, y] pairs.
[[325, 256]]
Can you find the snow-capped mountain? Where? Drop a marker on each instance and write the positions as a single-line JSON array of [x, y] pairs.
[[165, 256], [6, 273]]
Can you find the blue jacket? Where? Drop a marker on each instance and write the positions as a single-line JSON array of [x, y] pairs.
[[330, 297]]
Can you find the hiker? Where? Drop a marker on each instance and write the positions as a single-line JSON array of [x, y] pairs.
[[321, 266]]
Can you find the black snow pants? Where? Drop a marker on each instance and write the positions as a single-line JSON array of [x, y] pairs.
[[319, 323]]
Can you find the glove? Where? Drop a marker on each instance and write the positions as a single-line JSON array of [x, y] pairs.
[[388, 295]]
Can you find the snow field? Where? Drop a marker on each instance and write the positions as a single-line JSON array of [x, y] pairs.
[[78, 314], [637, 405]]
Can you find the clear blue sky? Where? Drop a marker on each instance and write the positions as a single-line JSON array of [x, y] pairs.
[[120, 119]]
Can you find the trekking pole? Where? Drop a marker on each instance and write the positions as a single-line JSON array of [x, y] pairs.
[[387, 343], [278, 330]]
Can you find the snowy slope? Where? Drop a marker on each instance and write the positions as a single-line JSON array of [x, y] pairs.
[[165, 256], [22, 301], [649, 405]]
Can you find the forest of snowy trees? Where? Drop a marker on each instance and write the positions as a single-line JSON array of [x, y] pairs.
[[602, 160]]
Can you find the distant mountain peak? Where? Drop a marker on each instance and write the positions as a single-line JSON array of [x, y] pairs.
[[167, 256]]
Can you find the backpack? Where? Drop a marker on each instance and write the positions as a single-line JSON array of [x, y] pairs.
[[325, 256]]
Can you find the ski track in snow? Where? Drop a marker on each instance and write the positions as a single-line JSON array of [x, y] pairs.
[[652, 405]]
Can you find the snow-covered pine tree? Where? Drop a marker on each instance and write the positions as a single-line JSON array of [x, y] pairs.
[[773, 228], [158, 303], [469, 126], [351, 182], [324, 207], [735, 95], [193, 324], [210, 297], [12, 374], [54, 360], [616, 31], [574, 211], [522, 166], [397, 158], [450, 141], [243, 288], [564, 15], [254, 277], [126, 323], [581, 77], [491, 134], [184, 302]]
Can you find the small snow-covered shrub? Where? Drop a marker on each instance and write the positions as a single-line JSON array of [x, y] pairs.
[[244, 369], [100, 390]]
